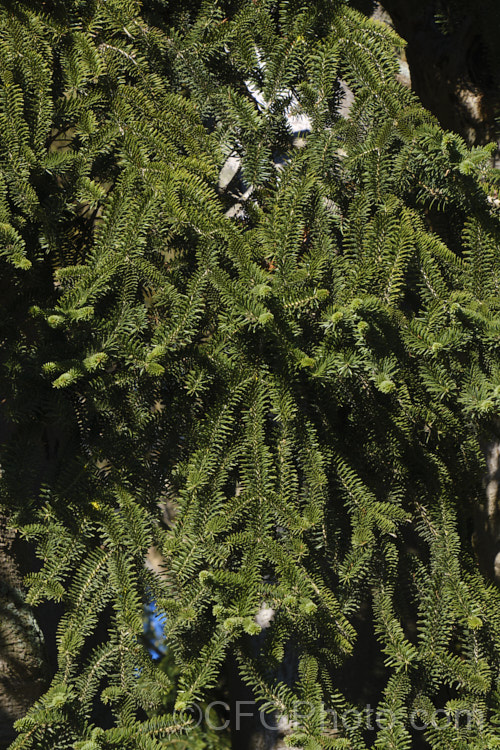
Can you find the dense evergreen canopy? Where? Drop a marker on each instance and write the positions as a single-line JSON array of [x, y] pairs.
[[284, 380]]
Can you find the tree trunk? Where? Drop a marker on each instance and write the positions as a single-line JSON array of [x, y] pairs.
[[486, 537], [251, 729], [22, 662], [452, 64]]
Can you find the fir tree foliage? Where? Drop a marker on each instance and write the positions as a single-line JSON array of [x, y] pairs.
[[305, 379]]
